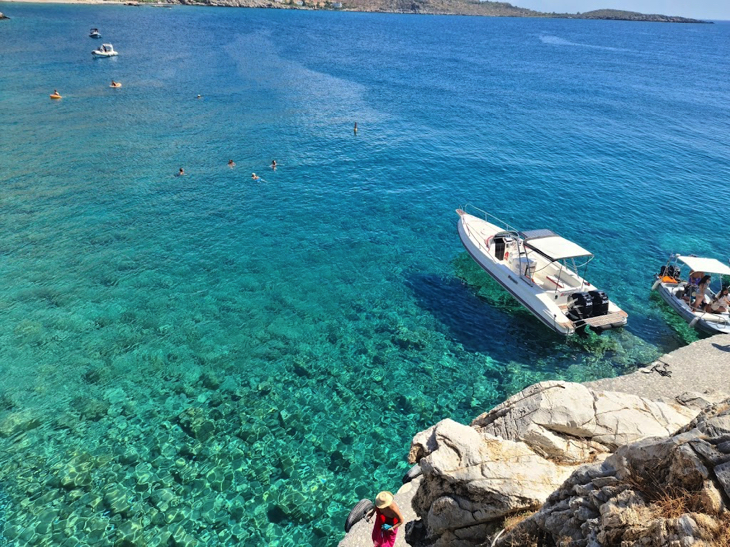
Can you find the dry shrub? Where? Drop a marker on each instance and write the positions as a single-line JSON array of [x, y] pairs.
[[510, 521], [672, 502], [723, 537], [667, 501]]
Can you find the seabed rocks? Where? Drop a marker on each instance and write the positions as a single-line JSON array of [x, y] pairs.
[[209, 472]]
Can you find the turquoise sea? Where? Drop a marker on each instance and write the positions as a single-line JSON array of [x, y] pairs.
[[211, 360]]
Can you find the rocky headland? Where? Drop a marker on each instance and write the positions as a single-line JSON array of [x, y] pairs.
[[425, 7], [442, 7], [640, 460]]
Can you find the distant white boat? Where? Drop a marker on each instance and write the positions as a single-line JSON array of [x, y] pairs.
[[104, 50], [673, 289], [538, 268], [94, 33]]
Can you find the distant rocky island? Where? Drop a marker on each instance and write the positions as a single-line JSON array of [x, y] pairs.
[[441, 7]]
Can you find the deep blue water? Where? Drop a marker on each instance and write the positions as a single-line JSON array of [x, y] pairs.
[[238, 362]]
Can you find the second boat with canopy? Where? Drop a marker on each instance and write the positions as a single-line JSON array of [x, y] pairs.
[[681, 294]]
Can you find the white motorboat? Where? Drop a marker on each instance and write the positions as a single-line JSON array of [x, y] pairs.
[[538, 268], [679, 293], [94, 33], [104, 50]]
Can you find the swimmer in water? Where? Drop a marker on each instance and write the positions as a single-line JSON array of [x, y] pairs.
[[199, 96], [254, 176], [273, 164], [355, 130], [181, 172], [231, 164]]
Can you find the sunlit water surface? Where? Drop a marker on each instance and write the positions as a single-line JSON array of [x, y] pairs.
[[209, 358]]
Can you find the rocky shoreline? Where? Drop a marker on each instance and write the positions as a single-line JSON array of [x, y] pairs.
[[441, 7], [423, 7], [582, 465]]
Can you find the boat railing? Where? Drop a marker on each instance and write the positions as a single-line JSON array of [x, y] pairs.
[[489, 217], [483, 245]]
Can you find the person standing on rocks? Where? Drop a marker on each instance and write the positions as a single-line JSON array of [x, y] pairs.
[[388, 519]]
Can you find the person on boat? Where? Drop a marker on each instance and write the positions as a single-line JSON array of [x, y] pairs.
[[699, 302], [254, 176], [692, 282], [181, 172], [273, 164], [695, 277], [55, 92], [114, 84], [720, 303], [388, 519], [231, 164]]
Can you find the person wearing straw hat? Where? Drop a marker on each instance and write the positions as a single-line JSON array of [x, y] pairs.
[[388, 519]]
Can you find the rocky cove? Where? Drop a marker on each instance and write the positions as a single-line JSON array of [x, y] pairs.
[[642, 459]]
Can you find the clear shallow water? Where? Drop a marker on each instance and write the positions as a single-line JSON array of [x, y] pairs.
[[232, 362]]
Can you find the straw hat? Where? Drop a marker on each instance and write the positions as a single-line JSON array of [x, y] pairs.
[[383, 499]]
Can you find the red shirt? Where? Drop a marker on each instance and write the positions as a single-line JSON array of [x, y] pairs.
[[381, 519]]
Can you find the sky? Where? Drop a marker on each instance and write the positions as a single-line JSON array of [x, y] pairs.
[[697, 9]]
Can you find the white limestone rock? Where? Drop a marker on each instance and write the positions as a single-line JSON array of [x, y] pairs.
[[655, 492], [512, 458], [570, 423], [471, 479]]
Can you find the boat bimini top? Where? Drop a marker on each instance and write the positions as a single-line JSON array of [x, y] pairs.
[[552, 246], [707, 265]]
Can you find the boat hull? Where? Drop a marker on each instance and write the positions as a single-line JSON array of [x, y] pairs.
[[549, 306], [507, 278], [706, 322]]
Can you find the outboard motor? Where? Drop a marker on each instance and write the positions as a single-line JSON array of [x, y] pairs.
[[580, 306], [600, 303]]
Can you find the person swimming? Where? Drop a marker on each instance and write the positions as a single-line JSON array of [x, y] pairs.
[[181, 172], [231, 164], [254, 176], [273, 164], [199, 96]]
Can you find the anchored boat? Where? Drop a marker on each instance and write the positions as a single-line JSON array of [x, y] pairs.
[[104, 50], [94, 33], [538, 267], [680, 294]]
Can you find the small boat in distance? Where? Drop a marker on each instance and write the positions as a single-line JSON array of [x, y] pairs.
[[94, 33], [680, 293], [538, 268], [104, 50], [55, 95]]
